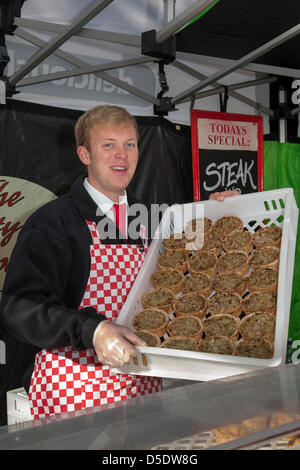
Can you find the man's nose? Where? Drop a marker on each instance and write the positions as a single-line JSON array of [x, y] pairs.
[[121, 151]]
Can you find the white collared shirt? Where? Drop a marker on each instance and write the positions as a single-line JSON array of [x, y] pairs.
[[103, 202]]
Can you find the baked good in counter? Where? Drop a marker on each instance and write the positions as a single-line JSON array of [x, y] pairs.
[[234, 262], [262, 279], [230, 303], [161, 298], [169, 278], [198, 282], [176, 242], [180, 342], [258, 325], [260, 302], [259, 348], [268, 236], [207, 242], [224, 283], [190, 304], [217, 345], [239, 240], [221, 325], [197, 227], [267, 256], [152, 320], [226, 225], [150, 339], [189, 326], [173, 260], [203, 262]]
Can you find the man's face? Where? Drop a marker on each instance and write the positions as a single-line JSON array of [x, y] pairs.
[[111, 159]]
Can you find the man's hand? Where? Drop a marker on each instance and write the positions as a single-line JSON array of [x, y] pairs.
[[221, 196], [114, 344]]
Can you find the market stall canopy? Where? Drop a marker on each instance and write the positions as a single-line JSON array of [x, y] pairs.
[[220, 46]]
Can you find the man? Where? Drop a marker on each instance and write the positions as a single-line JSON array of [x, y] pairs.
[[66, 293]]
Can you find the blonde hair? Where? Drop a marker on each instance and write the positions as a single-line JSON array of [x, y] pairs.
[[103, 115]]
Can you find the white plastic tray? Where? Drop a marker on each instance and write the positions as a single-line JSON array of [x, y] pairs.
[[257, 209]]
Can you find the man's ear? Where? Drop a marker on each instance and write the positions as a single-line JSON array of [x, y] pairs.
[[83, 154]]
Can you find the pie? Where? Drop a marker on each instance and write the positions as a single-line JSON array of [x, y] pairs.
[[221, 325], [262, 279], [180, 342], [190, 326], [217, 345], [208, 242], [199, 282], [259, 348], [174, 260], [230, 303], [226, 225], [234, 262], [258, 325], [152, 320], [267, 256], [203, 262], [176, 242], [198, 226], [260, 302], [170, 278], [225, 283], [150, 339], [239, 240], [161, 298], [268, 236], [190, 304]]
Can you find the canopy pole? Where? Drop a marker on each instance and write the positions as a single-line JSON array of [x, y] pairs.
[[282, 38], [181, 20], [87, 15]]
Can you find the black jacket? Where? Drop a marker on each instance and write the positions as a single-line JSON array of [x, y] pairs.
[[48, 272]]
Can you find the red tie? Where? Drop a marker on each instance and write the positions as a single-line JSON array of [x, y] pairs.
[[120, 215]]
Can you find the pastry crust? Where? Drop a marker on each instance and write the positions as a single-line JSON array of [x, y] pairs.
[[234, 262], [217, 345], [188, 326], [262, 279], [208, 242], [260, 302], [161, 298], [268, 236], [152, 320], [221, 325], [180, 342], [226, 283], [190, 304], [150, 339], [199, 282], [225, 303], [267, 256], [239, 240], [176, 242], [203, 262], [173, 260], [197, 227], [226, 225], [169, 278], [259, 348], [258, 325]]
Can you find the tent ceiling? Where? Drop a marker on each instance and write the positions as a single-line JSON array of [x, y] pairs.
[[262, 36]]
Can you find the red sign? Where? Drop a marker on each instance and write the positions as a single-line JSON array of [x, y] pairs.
[[227, 153]]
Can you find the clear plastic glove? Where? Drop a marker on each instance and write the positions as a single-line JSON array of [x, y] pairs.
[[221, 196], [114, 344]]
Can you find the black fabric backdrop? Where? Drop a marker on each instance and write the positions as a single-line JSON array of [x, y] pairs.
[[37, 144]]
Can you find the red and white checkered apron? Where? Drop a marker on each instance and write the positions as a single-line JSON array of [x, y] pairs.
[[65, 379]]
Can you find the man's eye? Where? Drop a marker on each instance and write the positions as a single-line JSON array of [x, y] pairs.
[[108, 146], [130, 145]]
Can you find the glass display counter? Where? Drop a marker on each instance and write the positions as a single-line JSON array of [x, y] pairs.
[[249, 411]]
